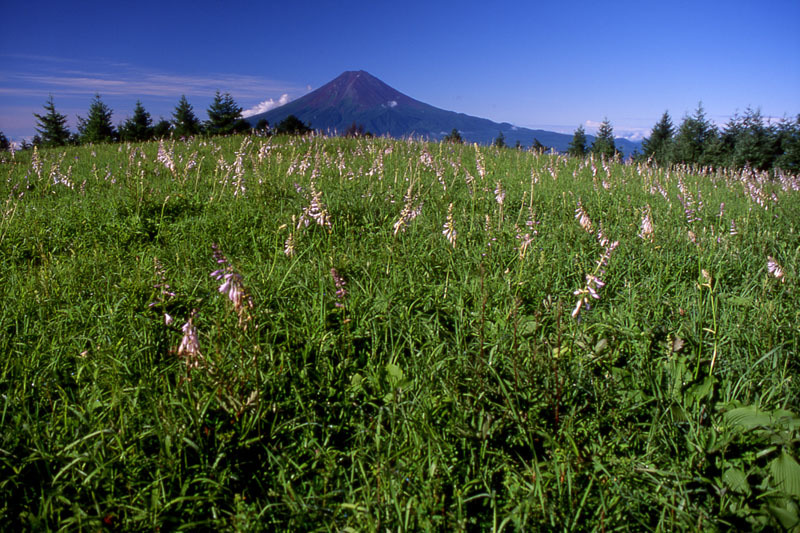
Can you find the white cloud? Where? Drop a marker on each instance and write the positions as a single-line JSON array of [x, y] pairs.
[[266, 105], [634, 135], [392, 103], [592, 126]]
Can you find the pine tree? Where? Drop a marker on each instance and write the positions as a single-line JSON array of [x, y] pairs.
[[603, 144], [185, 121], [454, 137], [97, 126], [224, 116], [788, 139], [577, 147], [52, 126], [500, 141], [695, 136], [139, 127], [5, 145], [162, 129], [658, 146], [292, 125], [755, 145]]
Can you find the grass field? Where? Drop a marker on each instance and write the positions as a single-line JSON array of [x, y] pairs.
[[329, 334]]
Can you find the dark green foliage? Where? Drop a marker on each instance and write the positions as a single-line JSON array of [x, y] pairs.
[[224, 116], [97, 126], [756, 143], [139, 127], [447, 389], [603, 145], [356, 130], [292, 125], [262, 125], [185, 122], [788, 142], [453, 137], [694, 140], [538, 147], [52, 126], [500, 140], [658, 147], [162, 129], [5, 145], [578, 146]]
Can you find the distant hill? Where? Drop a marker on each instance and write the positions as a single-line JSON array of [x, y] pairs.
[[358, 96]]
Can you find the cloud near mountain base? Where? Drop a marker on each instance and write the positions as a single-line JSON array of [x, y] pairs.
[[266, 105]]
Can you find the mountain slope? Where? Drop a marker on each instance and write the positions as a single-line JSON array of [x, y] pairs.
[[358, 97]]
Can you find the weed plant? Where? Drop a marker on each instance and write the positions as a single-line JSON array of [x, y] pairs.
[[327, 334]]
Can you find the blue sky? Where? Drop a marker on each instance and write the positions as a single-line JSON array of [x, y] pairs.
[[551, 65]]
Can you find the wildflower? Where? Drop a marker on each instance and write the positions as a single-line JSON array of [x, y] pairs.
[[499, 193], [527, 238], [232, 286], [316, 211], [339, 283], [189, 348], [479, 162], [646, 228], [593, 282], [583, 218], [469, 180], [164, 291], [409, 212], [588, 291], [449, 230], [733, 230], [163, 157], [774, 268], [288, 246]]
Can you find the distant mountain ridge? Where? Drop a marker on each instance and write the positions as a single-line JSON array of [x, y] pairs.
[[361, 98]]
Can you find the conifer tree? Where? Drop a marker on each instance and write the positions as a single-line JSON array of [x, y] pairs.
[[139, 127], [184, 120], [97, 126], [755, 145], [659, 145], [454, 137], [292, 125], [694, 139], [603, 144], [788, 140], [577, 147], [224, 116], [52, 126], [162, 129], [5, 145], [500, 141]]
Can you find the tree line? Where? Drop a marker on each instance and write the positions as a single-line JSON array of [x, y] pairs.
[[747, 140], [224, 118]]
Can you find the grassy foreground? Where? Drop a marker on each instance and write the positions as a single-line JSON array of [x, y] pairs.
[[249, 334]]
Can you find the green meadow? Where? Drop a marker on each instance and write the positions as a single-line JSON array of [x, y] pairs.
[[329, 334]]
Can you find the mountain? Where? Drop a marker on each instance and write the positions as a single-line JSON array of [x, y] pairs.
[[361, 98]]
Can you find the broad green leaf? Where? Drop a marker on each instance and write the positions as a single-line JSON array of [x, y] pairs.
[[394, 375], [736, 480], [748, 417], [601, 345], [701, 390], [787, 516], [786, 474]]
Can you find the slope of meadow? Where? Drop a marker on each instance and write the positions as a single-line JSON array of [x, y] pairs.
[[341, 334]]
